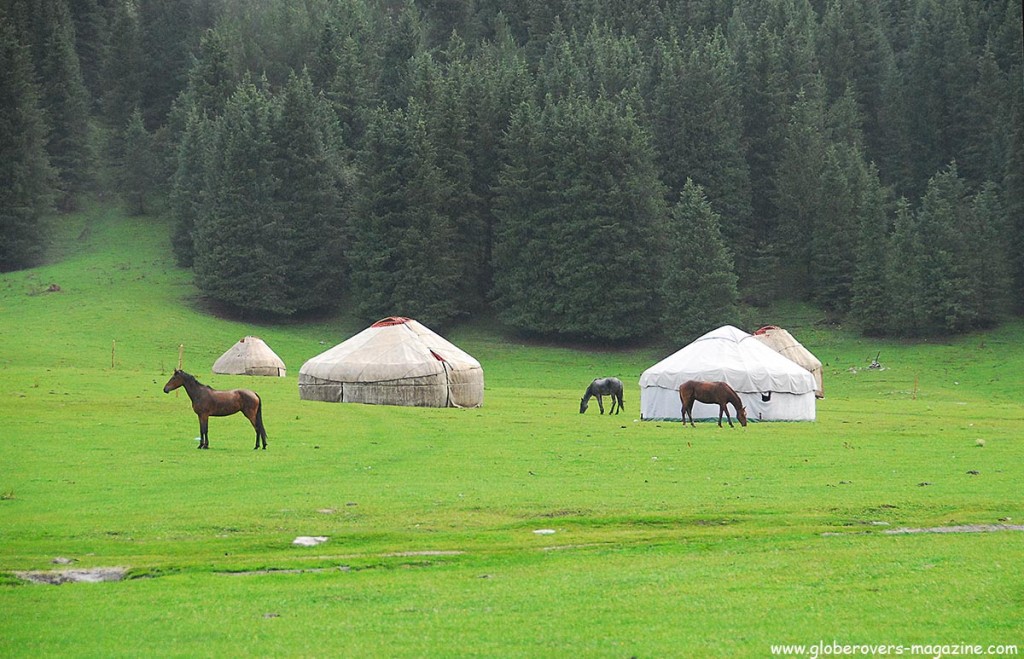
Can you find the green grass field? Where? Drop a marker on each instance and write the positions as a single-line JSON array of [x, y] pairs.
[[668, 541]]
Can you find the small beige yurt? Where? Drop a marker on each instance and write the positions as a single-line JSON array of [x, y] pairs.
[[250, 356], [783, 343], [395, 361]]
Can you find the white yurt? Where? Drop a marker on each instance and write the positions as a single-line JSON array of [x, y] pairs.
[[782, 342], [395, 361], [772, 387], [250, 356]]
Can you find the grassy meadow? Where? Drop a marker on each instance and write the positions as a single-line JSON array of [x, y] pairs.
[[667, 540]]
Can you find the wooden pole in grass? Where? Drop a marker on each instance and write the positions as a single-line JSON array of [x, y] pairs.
[[914, 397], [113, 353], [181, 360]]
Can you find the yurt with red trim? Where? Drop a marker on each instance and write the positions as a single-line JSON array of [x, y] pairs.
[[395, 361]]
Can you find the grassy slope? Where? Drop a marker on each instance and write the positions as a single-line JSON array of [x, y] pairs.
[[668, 540]]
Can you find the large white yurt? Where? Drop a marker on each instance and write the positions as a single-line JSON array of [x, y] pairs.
[[395, 361], [772, 387], [786, 345], [250, 356]]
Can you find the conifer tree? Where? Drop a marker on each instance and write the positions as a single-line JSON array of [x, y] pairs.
[[166, 29], [986, 278], [138, 167], [188, 185], [580, 212], [27, 191], [64, 100], [904, 274], [402, 249], [800, 192], [123, 70], [939, 73], [92, 38], [870, 300], [698, 282], [697, 126], [308, 199], [496, 80], [236, 237]]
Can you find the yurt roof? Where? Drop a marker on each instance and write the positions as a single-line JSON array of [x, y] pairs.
[[730, 355], [394, 348], [249, 356], [786, 345]]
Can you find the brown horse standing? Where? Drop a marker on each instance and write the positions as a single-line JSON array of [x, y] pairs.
[[713, 393], [207, 402]]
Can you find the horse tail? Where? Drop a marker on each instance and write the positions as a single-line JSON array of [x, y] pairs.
[[259, 418]]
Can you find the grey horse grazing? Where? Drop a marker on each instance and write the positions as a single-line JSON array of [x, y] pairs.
[[603, 387]]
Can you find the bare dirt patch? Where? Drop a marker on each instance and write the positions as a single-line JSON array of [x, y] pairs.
[[58, 577], [961, 528]]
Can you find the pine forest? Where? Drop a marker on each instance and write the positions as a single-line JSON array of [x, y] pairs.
[[597, 170]]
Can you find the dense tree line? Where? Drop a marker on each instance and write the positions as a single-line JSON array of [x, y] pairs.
[[581, 168]]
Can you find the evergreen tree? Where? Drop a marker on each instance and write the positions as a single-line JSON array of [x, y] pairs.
[[956, 261], [870, 301], [402, 249], [212, 77], [446, 106], [1013, 196], [308, 201], [236, 237], [986, 276], [123, 71], [697, 126], [833, 237], [138, 166], [698, 283], [188, 185], [92, 38], [580, 213], [64, 100], [764, 99], [27, 189], [166, 29], [800, 194], [904, 274], [856, 58], [938, 76], [403, 38]]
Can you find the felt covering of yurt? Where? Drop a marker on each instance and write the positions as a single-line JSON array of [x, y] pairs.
[[395, 361], [784, 343], [771, 387], [250, 356]]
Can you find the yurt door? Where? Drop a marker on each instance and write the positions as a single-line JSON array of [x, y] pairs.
[[447, 378]]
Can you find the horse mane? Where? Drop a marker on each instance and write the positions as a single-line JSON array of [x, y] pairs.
[[188, 377]]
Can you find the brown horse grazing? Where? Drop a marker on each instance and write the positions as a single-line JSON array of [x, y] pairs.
[[207, 402], [713, 393]]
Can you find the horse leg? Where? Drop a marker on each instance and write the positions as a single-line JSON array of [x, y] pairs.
[[204, 427], [600, 404], [688, 410], [725, 408]]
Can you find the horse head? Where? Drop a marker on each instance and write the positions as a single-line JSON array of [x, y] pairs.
[[583, 405], [176, 381], [741, 414]]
